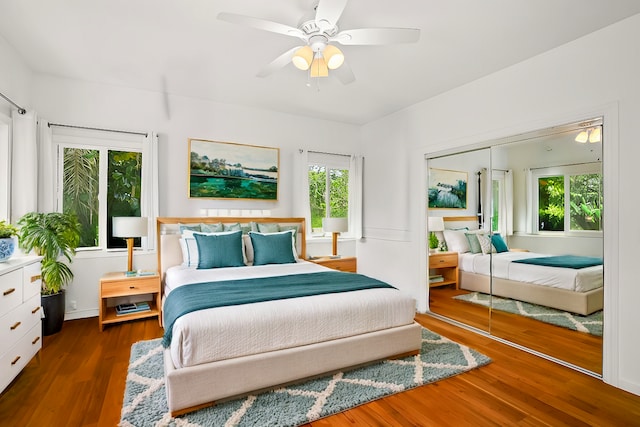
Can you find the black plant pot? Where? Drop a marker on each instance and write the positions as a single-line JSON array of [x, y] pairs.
[[53, 306]]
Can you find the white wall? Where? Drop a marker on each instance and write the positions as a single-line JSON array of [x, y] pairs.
[[593, 75], [176, 119], [15, 78]]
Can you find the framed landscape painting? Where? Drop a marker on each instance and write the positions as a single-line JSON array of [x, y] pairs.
[[225, 170], [447, 189]]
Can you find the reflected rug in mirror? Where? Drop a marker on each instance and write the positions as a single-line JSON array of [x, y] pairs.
[[591, 324], [145, 402]]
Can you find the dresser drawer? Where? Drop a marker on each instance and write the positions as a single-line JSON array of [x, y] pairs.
[[443, 260], [18, 321], [10, 291], [17, 357], [32, 280], [130, 287]]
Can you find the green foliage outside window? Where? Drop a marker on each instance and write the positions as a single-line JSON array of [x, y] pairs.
[[81, 189], [338, 194]]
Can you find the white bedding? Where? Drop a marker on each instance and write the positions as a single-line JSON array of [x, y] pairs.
[[579, 280], [227, 332]]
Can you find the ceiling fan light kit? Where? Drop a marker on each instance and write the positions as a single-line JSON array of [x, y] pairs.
[[318, 30]]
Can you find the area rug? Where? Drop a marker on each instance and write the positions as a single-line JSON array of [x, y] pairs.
[[145, 402], [591, 324]]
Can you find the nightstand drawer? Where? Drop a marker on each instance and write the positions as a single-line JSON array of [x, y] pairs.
[[130, 287], [443, 260], [347, 264]]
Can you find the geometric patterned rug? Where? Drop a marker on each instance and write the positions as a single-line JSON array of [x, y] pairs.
[[591, 324], [145, 402]]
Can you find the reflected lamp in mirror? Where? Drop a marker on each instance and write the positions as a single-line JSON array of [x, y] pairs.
[[335, 226], [128, 228]]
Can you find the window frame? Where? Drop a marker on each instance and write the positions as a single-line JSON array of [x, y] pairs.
[[103, 141], [566, 171], [331, 161]]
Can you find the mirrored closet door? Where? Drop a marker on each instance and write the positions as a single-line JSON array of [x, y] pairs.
[[531, 271]]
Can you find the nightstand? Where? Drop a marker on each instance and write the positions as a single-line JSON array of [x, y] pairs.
[[118, 284], [443, 265], [348, 263]]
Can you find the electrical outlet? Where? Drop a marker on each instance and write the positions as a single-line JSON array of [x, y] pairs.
[[74, 306]]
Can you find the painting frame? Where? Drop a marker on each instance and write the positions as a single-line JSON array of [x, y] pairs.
[[231, 171], [447, 189]]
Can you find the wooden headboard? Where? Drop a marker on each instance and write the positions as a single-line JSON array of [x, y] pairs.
[[454, 222], [168, 232]]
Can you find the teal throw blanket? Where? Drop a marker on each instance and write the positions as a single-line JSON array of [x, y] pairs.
[[199, 296], [565, 261]]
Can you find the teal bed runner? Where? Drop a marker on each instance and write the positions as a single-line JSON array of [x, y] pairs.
[[200, 296], [565, 261]]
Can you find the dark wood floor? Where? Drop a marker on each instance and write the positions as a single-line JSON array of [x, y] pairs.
[[578, 348], [79, 377]]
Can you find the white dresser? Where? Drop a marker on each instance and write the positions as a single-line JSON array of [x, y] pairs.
[[20, 314]]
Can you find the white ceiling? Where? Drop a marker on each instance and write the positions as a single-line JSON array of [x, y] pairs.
[[179, 47]]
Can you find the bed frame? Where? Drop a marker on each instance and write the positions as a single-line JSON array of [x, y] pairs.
[[583, 303], [195, 387]]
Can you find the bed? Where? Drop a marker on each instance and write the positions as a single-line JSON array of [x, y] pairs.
[[506, 274], [215, 351]]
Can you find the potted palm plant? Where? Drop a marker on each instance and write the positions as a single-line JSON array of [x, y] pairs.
[[53, 236], [7, 243]]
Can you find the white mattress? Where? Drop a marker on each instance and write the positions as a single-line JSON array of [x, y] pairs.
[[501, 265], [227, 332]]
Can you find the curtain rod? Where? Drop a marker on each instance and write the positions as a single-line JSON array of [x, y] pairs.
[[101, 129], [324, 152], [20, 109]]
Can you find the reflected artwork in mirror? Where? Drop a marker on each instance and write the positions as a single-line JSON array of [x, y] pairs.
[[530, 250]]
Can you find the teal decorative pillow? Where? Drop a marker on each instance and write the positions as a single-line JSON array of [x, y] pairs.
[[474, 244], [232, 227], [273, 248], [268, 227], [219, 250], [189, 227], [499, 243], [211, 228]]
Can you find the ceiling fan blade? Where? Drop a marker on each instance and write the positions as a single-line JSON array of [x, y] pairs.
[[328, 12], [374, 36], [261, 24], [280, 62], [344, 74]]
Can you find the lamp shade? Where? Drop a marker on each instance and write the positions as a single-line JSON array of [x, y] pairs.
[[333, 56], [302, 58], [319, 67], [335, 225], [130, 226], [435, 223]]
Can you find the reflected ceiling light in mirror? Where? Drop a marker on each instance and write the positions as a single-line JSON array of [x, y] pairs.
[[591, 135]]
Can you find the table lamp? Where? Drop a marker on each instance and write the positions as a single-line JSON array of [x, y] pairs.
[[130, 227], [335, 226]]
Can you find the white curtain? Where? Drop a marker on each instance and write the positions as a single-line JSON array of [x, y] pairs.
[[150, 205], [24, 164], [301, 207], [46, 166], [529, 207], [356, 176], [505, 201]]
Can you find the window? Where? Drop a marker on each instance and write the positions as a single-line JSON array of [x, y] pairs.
[[328, 188], [569, 198], [100, 176]]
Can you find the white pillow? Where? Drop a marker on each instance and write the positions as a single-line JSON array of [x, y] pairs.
[[456, 241]]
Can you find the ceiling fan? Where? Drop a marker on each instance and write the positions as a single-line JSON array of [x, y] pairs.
[[319, 30]]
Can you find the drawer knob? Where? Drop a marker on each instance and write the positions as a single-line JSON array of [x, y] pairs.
[[132, 287], [35, 310], [15, 325], [35, 340], [34, 278], [14, 361], [9, 291]]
